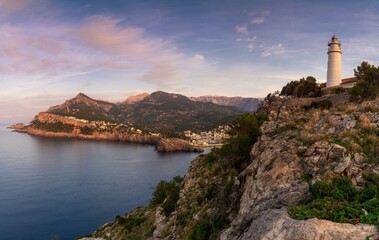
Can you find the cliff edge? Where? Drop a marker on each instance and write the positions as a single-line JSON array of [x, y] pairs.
[[303, 142]]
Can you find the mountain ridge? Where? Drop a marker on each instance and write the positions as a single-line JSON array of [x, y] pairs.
[[157, 112], [247, 104]]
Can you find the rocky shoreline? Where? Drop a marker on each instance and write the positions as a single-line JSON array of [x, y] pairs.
[[42, 126]]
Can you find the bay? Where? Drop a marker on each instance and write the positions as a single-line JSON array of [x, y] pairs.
[[65, 188]]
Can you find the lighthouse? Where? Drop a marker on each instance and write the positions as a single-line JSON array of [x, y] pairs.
[[334, 63]]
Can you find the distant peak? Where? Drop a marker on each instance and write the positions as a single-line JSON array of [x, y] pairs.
[[136, 98], [82, 96], [162, 93]]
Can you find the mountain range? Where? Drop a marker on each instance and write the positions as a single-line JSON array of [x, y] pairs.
[[157, 112], [247, 104]]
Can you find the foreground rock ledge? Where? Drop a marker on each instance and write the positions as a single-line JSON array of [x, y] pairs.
[[276, 224]]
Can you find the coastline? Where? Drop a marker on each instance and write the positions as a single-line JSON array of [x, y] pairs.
[[161, 144]]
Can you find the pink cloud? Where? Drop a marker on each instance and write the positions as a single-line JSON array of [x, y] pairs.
[[103, 33], [242, 29], [258, 20], [11, 6], [28, 8], [273, 50], [50, 52]]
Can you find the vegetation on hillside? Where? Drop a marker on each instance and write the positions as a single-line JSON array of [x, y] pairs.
[[367, 87], [340, 201], [211, 199], [166, 194], [305, 87], [243, 133], [159, 112], [53, 126], [216, 199]]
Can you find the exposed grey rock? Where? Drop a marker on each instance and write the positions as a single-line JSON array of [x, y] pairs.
[[343, 165], [275, 224], [336, 151], [359, 158], [271, 183], [159, 223], [297, 192], [91, 238]]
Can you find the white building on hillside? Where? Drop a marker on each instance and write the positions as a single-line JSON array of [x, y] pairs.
[[334, 74]]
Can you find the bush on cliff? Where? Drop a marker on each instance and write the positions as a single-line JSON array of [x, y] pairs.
[[166, 194], [323, 104], [305, 87], [208, 228], [243, 133], [340, 201], [53, 126], [367, 87]]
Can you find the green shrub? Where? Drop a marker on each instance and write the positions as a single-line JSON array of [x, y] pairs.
[[305, 87], [87, 130], [208, 228], [166, 194], [243, 133], [53, 126], [340, 201], [210, 157], [324, 104], [367, 86], [130, 221]]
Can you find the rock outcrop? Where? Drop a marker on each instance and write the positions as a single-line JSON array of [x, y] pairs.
[[52, 125], [295, 142], [276, 224], [18, 126], [136, 98], [175, 145], [280, 158]]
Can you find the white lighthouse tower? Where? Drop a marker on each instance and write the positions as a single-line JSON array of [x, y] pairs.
[[334, 63]]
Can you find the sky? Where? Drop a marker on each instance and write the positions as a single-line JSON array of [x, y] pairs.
[[50, 50]]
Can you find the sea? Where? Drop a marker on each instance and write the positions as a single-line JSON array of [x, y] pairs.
[[58, 188]]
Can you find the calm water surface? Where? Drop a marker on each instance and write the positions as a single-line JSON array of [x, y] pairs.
[[66, 188]]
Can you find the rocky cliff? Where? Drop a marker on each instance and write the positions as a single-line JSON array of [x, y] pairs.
[[296, 143], [176, 144], [52, 125], [302, 139]]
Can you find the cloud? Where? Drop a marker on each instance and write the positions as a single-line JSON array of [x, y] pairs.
[[258, 20], [163, 74], [273, 50], [242, 28], [103, 33], [246, 39], [251, 39], [11, 6], [251, 47], [198, 59], [54, 51], [31, 9]]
